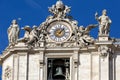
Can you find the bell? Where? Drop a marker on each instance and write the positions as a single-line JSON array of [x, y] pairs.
[[59, 72]]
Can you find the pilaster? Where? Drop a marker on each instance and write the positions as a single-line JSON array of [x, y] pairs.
[[75, 64], [15, 66], [104, 68], [41, 63], [104, 44]]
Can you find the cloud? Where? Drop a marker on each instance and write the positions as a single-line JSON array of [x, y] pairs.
[[34, 3]]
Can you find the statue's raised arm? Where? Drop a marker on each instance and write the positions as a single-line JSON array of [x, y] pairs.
[[104, 23]]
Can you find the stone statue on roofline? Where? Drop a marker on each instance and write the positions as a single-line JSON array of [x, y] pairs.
[[33, 36], [83, 35], [13, 32], [104, 23], [27, 33], [30, 36]]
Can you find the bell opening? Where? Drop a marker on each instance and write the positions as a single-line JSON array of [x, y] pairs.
[[58, 69]]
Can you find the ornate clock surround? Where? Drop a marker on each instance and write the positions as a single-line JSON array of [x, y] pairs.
[[65, 28]]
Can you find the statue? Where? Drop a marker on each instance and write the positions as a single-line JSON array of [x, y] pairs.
[[13, 32], [59, 10], [30, 36], [27, 33], [83, 35], [33, 36], [104, 23]]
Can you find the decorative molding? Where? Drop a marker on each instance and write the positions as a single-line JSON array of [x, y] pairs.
[[104, 51]]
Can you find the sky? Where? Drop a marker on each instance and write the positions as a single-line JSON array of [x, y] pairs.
[[34, 12]]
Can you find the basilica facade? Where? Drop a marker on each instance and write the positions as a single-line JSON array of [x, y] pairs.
[[59, 49]]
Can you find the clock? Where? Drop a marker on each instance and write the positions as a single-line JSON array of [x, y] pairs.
[[59, 32]]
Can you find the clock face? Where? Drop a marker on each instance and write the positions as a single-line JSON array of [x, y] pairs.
[[59, 32]]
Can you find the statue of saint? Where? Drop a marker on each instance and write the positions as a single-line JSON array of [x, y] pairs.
[[13, 32], [104, 23]]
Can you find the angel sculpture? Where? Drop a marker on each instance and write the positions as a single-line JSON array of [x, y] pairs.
[[88, 28], [30, 36], [83, 34], [33, 37], [27, 33]]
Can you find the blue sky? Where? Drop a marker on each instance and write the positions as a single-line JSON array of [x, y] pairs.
[[34, 12]]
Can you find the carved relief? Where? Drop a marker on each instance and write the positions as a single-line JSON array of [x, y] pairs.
[[8, 73], [104, 51]]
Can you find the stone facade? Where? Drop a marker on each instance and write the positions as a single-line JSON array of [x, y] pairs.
[[58, 47]]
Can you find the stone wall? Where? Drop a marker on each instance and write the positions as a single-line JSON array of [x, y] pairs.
[[88, 66], [25, 65]]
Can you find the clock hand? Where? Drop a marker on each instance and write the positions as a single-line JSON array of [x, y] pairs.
[[61, 31]]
